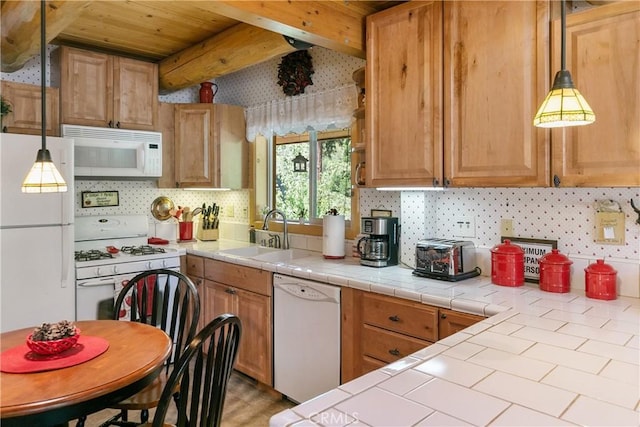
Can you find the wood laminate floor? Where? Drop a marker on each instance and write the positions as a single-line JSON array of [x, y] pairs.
[[246, 405]]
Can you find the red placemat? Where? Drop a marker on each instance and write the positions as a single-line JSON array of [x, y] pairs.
[[20, 359]]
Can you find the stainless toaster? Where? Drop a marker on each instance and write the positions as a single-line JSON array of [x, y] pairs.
[[446, 259]]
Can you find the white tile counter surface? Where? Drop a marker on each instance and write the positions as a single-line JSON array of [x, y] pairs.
[[539, 359]]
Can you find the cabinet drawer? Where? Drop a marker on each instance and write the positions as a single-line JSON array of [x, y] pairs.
[[247, 278], [195, 266], [406, 317], [389, 346]]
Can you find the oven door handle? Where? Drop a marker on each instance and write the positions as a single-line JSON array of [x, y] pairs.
[[97, 282]]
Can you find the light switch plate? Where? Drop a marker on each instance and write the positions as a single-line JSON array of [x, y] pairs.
[[464, 226], [506, 227]]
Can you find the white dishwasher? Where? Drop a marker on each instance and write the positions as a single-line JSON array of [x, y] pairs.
[[306, 337]]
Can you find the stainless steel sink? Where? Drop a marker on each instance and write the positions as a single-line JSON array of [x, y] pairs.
[[261, 253], [249, 251], [283, 255]]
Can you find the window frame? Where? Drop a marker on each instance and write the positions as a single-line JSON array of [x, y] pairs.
[[312, 228]]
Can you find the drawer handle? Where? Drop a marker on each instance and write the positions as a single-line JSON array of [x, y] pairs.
[[394, 352], [394, 318], [230, 291]]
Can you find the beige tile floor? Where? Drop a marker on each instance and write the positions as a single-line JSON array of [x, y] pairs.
[[246, 405]]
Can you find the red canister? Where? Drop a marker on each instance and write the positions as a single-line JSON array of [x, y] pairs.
[[555, 272], [600, 280], [507, 264]]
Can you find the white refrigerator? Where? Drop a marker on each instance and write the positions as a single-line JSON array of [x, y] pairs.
[[37, 274]]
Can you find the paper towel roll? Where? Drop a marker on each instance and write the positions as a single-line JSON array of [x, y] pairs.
[[333, 236]]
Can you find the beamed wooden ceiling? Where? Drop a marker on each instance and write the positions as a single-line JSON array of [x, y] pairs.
[[192, 41]]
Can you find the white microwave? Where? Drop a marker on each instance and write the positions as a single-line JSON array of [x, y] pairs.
[[106, 152]]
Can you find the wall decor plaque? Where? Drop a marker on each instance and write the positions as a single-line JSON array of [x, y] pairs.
[[533, 249], [99, 199]]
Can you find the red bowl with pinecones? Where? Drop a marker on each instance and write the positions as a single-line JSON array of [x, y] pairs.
[[53, 338]]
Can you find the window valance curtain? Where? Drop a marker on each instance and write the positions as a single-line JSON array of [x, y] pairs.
[[331, 109]]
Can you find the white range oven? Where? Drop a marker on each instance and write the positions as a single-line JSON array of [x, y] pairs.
[[110, 250]]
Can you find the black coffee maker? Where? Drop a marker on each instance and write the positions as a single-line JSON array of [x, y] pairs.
[[380, 247]]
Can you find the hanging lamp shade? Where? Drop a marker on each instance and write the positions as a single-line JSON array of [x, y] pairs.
[[43, 176], [564, 105]]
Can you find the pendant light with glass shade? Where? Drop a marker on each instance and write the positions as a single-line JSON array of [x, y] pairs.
[[564, 105], [43, 176]]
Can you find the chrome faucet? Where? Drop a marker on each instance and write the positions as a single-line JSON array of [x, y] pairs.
[[285, 235]]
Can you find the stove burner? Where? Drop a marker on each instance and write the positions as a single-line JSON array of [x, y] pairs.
[[141, 250], [91, 255]]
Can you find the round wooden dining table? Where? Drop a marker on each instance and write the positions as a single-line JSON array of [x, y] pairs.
[[135, 355]]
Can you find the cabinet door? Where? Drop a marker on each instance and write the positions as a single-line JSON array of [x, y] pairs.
[[454, 321], [86, 89], [231, 149], [166, 121], [496, 74], [603, 56], [404, 95], [194, 146], [135, 94], [255, 353], [26, 105]]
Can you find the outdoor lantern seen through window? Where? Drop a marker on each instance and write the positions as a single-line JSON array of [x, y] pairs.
[[300, 163]]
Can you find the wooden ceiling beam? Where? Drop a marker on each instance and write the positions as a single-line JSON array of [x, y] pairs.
[[334, 25], [241, 46], [21, 28]]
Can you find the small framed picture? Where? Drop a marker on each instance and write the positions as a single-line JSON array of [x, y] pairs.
[[533, 249], [99, 199], [380, 212]]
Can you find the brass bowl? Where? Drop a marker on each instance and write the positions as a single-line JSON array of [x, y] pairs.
[[161, 208]]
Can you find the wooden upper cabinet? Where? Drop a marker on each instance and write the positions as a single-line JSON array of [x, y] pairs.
[[404, 95], [26, 109], [210, 149], [453, 104], [495, 75], [102, 90], [603, 56], [193, 145]]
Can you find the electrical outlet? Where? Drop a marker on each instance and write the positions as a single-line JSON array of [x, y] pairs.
[[229, 211], [245, 212], [464, 226], [506, 227]]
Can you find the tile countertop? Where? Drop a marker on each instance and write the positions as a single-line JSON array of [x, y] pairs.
[[539, 359]]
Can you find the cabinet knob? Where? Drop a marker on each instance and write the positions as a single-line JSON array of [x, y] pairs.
[[230, 291], [118, 125], [556, 181], [443, 316], [394, 352], [394, 318], [110, 123]]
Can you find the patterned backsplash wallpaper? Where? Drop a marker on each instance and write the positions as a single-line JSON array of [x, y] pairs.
[[566, 215]]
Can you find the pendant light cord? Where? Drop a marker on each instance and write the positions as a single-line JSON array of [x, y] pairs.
[[563, 24], [43, 70]]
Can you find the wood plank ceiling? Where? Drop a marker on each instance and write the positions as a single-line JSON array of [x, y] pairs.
[[192, 41]]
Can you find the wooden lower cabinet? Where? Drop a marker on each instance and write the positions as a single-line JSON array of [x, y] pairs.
[[451, 322], [245, 292], [379, 329], [194, 268]]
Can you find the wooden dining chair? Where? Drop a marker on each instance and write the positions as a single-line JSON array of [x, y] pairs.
[[168, 300], [202, 375]]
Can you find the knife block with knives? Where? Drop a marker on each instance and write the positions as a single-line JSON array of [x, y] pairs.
[[208, 224]]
